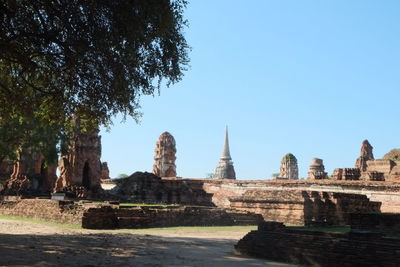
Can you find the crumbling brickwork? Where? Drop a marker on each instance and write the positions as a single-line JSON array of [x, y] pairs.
[[304, 207], [346, 174], [30, 175], [80, 169], [365, 155], [289, 168], [317, 170], [164, 159], [105, 172]]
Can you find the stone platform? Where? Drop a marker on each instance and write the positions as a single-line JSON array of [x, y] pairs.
[[289, 201]]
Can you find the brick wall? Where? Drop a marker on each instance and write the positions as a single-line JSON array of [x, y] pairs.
[[382, 222], [279, 243], [144, 217], [44, 209]]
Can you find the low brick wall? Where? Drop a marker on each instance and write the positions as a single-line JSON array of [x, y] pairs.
[[108, 216], [381, 222], [276, 242], [44, 209], [111, 218]]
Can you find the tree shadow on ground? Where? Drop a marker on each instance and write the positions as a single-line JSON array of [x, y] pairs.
[[120, 250]]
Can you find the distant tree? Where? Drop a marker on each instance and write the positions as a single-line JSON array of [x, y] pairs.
[[122, 175], [274, 175], [393, 154], [210, 175], [92, 58]]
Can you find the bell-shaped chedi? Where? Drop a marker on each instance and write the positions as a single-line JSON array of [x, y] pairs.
[[317, 169], [80, 169], [164, 159], [365, 155], [289, 168], [224, 169]]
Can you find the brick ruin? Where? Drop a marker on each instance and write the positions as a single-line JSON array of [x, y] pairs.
[[358, 196], [370, 169], [110, 215], [304, 207], [30, 174], [80, 169], [289, 168], [143, 187], [317, 200], [274, 241], [164, 159], [290, 201], [365, 155], [105, 172], [317, 170]]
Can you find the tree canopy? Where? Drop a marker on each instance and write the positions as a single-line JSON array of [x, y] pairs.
[[86, 57]]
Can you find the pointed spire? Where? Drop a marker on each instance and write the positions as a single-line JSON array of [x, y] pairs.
[[226, 155], [225, 169]]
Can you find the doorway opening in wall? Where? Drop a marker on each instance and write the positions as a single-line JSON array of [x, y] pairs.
[[43, 173], [86, 176]]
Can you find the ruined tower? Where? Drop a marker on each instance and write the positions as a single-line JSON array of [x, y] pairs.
[[164, 159], [30, 174], [317, 169], [224, 169], [80, 169], [289, 168], [365, 155]]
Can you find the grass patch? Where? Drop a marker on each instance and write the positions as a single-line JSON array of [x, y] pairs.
[[55, 224], [326, 229], [191, 230], [146, 205]]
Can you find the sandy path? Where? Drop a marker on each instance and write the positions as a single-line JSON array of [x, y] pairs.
[[31, 244]]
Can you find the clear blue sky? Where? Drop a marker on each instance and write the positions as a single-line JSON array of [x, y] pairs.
[[314, 78]]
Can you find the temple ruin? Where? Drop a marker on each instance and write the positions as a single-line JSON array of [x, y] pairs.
[[80, 169], [317, 170], [289, 168], [317, 200], [30, 174], [164, 159], [105, 172], [224, 169], [369, 169], [365, 155]]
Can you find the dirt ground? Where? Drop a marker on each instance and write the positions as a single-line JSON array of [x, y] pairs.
[[33, 244]]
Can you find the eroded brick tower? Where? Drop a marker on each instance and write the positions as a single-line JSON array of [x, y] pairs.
[[164, 159]]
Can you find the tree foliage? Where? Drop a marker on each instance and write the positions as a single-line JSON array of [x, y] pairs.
[[86, 57], [122, 175]]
